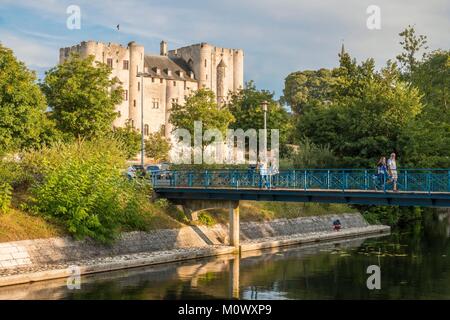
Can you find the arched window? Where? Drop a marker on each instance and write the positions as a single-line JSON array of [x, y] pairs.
[[146, 130]]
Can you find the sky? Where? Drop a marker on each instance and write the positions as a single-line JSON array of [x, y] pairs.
[[278, 36]]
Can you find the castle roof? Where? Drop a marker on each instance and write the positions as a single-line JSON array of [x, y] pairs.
[[169, 68]]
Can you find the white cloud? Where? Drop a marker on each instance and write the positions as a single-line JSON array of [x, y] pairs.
[[278, 36], [30, 51]]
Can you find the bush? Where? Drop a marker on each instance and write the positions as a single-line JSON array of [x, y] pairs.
[[5, 196], [310, 155], [83, 187]]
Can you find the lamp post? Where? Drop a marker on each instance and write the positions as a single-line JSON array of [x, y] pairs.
[[141, 75], [264, 107]]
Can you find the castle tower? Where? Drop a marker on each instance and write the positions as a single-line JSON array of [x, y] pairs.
[[204, 60], [136, 66], [238, 74], [221, 82]]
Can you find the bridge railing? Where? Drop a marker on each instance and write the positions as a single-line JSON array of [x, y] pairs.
[[421, 180]]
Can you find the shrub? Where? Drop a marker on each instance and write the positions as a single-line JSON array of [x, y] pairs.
[[310, 155], [82, 186], [5, 196]]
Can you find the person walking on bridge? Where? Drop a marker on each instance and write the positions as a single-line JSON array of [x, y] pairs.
[[392, 169], [264, 172], [382, 173]]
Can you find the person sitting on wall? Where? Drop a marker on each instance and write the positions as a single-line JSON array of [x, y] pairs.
[[337, 225]]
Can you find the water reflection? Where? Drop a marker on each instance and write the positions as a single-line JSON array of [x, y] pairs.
[[415, 264]]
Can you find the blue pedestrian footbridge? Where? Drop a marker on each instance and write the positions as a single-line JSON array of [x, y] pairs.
[[416, 187]]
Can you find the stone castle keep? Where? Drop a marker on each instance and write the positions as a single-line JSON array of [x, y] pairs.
[[169, 77]]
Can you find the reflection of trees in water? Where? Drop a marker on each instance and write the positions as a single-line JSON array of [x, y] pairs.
[[413, 265]]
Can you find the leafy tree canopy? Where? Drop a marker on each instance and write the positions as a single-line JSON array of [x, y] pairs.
[[157, 147], [201, 106], [23, 122], [129, 138], [82, 96], [246, 107]]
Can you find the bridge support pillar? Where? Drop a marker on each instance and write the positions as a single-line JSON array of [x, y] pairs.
[[234, 223]]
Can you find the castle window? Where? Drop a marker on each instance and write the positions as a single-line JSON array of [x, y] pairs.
[[153, 79], [155, 103], [132, 123], [174, 83], [110, 62], [125, 95], [134, 103], [126, 64], [206, 63], [146, 130], [184, 85], [174, 101], [161, 80], [119, 114], [139, 86]]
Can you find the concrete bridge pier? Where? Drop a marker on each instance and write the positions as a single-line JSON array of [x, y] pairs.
[[234, 223], [193, 207]]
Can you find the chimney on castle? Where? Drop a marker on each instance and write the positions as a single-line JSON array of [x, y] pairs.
[[163, 48]]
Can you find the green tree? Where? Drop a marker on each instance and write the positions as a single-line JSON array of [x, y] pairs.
[[368, 115], [432, 77], [82, 97], [129, 138], [412, 44], [303, 89], [246, 107], [23, 122], [310, 155], [201, 106], [157, 147]]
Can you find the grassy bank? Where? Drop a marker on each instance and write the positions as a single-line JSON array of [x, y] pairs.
[[16, 224], [266, 211]]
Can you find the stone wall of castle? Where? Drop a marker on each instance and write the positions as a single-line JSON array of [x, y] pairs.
[[161, 87]]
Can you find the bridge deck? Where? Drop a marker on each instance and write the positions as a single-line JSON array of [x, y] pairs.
[[423, 187]]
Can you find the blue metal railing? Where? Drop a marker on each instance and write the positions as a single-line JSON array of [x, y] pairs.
[[421, 180]]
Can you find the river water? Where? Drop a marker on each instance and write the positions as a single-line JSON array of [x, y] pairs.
[[414, 264]]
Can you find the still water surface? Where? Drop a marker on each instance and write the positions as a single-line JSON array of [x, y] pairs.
[[414, 262]]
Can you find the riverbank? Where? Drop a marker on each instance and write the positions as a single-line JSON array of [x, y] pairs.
[[17, 225], [44, 259]]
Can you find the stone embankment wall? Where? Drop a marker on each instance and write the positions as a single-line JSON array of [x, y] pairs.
[[65, 250]]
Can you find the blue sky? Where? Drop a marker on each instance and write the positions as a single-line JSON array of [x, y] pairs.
[[277, 36]]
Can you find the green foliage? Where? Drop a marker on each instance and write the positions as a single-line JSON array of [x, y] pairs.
[[157, 147], [129, 138], [82, 97], [206, 219], [367, 116], [82, 186], [391, 215], [201, 106], [23, 122], [310, 155], [246, 107], [432, 78], [309, 88], [5, 196], [412, 44]]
